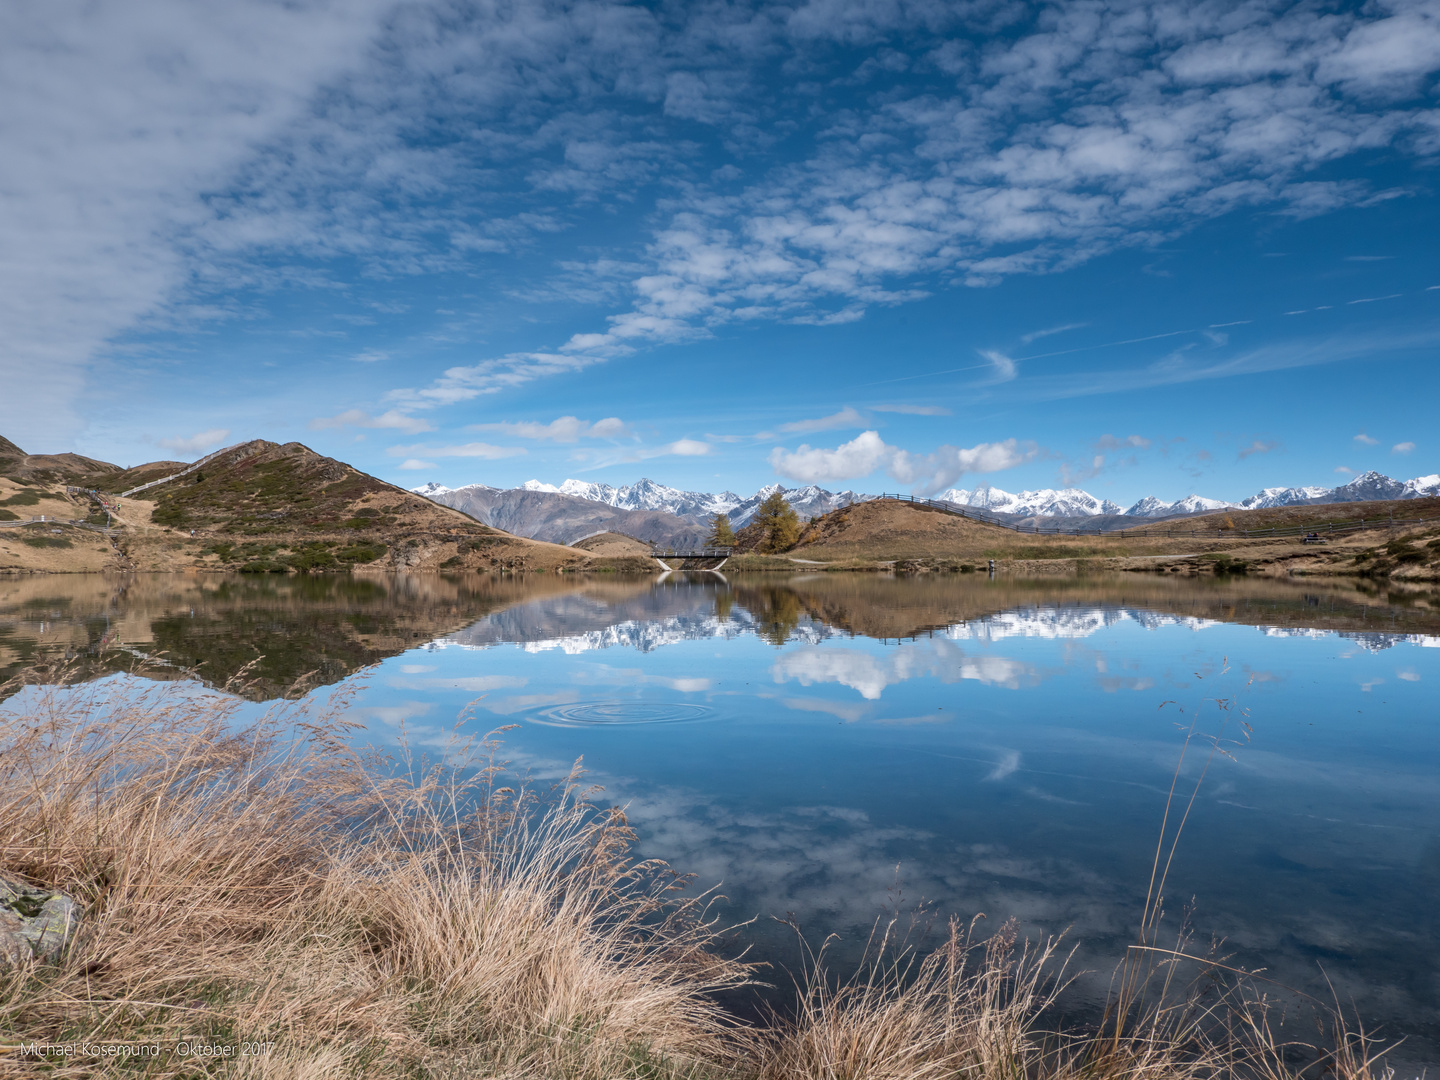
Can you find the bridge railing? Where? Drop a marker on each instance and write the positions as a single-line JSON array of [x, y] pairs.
[[692, 553]]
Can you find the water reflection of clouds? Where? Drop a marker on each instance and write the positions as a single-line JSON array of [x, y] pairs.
[[471, 683], [869, 674], [605, 675], [849, 712]]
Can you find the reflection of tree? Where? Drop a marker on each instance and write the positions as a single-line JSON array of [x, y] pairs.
[[724, 601], [777, 611]]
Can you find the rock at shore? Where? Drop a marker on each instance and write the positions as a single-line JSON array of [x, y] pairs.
[[35, 923]]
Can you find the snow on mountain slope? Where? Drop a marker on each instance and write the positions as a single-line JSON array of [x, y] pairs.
[[1151, 507], [699, 507], [1367, 487], [1047, 502]]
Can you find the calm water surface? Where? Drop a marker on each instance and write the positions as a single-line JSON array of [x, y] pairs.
[[838, 746]]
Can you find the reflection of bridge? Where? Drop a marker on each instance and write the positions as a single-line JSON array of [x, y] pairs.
[[691, 553]]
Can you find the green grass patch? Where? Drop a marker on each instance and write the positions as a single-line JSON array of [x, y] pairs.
[[358, 553], [45, 541], [22, 498]]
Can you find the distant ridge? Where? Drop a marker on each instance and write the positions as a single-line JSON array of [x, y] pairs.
[[569, 511]]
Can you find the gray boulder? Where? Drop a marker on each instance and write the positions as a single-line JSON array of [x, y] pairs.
[[35, 923]]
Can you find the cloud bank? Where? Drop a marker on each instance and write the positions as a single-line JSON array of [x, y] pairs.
[[925, 473]]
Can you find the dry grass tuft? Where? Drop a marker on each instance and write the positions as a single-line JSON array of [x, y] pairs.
[[268, 884], [265, 883]]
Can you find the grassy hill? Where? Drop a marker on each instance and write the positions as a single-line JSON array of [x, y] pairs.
[[886, 533], [259, 507]]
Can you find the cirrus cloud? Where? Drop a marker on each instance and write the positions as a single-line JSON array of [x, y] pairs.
[[565, 429], [390, 419], [467, 450], [197, 443]]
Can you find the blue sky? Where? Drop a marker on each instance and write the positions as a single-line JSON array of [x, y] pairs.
[[1146, 248]]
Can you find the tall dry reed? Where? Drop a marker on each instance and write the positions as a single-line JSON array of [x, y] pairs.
[[264, 882]]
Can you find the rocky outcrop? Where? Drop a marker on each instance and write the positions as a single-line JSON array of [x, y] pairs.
[[35, 923]]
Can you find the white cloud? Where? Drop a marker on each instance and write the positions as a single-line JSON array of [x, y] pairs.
[[686, 448], [490, 377], [468, 450], [1259, 446], [390, 419], [1366, 439], [1070, 475], [859, 457], [369, 356], [1036, 335], [1003, 366], [867, 452], [845, 418], [198, 443], [936, 471], [1402, 448], [1344, 470], [1112, 442], [120, 119], [631, 455], [276, 130], [565, 429], [913, 410], [415, 465]]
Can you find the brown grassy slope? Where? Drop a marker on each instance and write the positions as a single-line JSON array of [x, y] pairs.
[[16, 464], [915, 536], [885, 529], [263, 505], [1297, 517], [612, 543], [139, 474], [259, 506]]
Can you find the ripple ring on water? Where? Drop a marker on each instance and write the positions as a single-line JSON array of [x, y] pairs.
[[617, 713]]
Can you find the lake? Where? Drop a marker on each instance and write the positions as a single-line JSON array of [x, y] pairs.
[[834, 746]]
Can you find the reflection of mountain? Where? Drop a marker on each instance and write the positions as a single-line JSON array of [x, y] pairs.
[[278, 634], [318, 630], [812, 607], [642, 620]]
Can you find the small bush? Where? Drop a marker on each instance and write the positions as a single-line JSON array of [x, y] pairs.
[[45, 541], [265, 566], [360, 553]]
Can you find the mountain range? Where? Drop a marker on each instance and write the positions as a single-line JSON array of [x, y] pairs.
[[660, 514]]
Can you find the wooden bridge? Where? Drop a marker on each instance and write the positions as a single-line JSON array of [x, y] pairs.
[[691, 553]]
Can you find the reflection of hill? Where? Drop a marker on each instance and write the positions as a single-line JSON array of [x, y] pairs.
[[882, 607], [325, 628], [173, 626]]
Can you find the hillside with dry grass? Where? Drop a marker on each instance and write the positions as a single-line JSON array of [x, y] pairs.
[[259, 507], [892, 534]]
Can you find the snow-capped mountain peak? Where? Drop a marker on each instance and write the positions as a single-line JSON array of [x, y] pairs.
[[1047, 502], [811, 501], [1150, 506]]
